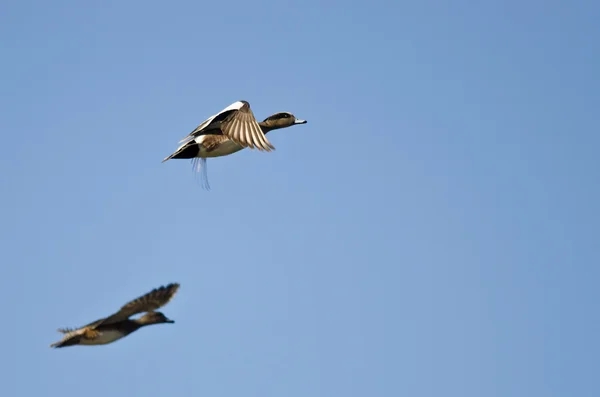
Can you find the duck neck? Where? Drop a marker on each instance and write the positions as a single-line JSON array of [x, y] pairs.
[[266, 127]]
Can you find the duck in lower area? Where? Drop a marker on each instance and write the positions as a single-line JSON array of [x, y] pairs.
[[231, 130], [118, 325]]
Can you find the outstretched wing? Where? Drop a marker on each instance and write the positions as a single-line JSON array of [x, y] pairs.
[[242, 128], [151, 301]]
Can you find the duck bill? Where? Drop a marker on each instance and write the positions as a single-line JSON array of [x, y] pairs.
[[298, 121]]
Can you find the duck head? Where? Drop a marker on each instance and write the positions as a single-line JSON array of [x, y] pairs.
[[154, 318], [280, 120]]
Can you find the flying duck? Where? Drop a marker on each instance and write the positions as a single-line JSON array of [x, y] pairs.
[[227, 132], [118, 325]]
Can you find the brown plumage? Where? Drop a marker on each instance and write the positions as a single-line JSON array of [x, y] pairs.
[[212, 142]]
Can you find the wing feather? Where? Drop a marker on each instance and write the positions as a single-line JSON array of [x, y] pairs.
[[153, 300], [242, 128]]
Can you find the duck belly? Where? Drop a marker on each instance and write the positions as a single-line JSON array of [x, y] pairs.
[[103, 338], [224, 149]]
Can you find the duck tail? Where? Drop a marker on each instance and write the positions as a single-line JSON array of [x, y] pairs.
[[69, 341], [71, 337], [168, 158], [188, 150]]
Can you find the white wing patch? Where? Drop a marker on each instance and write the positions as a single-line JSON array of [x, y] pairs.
[[234, 106]]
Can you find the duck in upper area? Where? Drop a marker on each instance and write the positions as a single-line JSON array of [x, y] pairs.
[[227, 132], [118, 325]]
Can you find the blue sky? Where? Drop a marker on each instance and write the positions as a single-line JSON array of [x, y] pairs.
[[432, 230]]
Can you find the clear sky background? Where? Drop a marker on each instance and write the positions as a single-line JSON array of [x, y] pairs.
[[432, 230]]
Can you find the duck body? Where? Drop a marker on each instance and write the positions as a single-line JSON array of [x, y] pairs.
[[106, 336], [224, 148], [206, 146], [101, 335]]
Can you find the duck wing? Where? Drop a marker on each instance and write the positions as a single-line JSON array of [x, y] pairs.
[[242, 128], [211, 123], [151, 301]]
